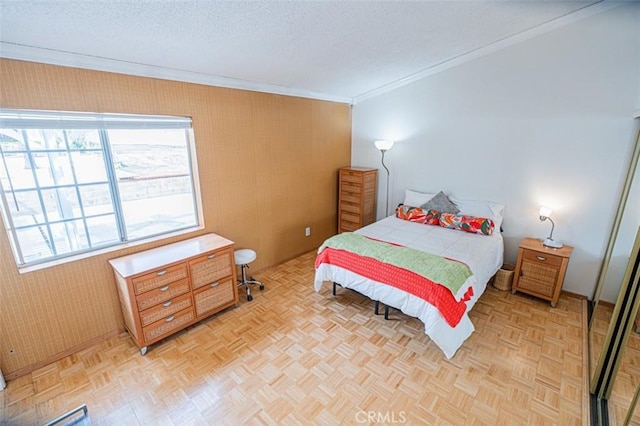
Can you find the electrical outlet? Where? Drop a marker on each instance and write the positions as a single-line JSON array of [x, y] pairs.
[[307, 231]]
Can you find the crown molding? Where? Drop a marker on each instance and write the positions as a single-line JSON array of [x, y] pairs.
[[74, 60], [546, 27]]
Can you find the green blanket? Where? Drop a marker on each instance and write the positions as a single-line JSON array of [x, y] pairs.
[[446, 272]]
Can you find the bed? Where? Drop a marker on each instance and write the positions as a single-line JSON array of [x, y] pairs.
[[482, 254]]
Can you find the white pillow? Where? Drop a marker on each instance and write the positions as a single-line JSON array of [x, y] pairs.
[[415, 198], [488, 209]]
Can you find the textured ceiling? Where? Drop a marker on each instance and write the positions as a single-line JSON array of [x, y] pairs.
[[341, 50]]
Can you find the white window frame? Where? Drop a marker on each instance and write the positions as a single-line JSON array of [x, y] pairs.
[[63, 120]]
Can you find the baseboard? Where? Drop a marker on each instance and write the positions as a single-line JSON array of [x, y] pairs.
[[57, 357], [576, 295]]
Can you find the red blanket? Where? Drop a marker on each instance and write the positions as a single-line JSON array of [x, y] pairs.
[[405, 280]]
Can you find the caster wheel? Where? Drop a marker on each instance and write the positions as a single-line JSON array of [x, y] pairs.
[[143, 351], [261, 287], [249, 298]]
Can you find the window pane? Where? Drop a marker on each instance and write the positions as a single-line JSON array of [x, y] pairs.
[[34, 243], [154, 180], [53, 168], [83, 139], [61, 203], [69, 236], [25, 208], [89, 166], [96, 199], [103, 230], [18, 173]]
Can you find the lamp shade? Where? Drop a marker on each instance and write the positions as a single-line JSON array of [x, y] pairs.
[[545, 211], [383, 145]]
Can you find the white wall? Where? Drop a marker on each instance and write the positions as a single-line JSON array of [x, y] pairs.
[[546, 121]]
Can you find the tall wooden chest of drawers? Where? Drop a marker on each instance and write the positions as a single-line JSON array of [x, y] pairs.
[[168, 288], [356, 197], [540, 270]]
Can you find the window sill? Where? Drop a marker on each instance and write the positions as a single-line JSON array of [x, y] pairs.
[[110, 249]]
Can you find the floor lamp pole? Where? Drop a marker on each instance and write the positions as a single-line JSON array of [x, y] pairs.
[[386, 211]]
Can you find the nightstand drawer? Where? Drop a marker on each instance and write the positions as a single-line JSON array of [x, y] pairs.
[[542, 258]]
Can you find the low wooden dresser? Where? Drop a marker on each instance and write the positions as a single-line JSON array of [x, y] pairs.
[[540, 270], [168, 288], [356, 197]]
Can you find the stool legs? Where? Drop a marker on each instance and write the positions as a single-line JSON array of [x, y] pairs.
[[246, 282]]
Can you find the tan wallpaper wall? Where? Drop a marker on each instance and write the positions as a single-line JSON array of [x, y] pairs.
[[268, 168]]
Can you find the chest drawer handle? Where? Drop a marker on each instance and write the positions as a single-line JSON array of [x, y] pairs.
[[165, 288], [215, 284], [167, 303], [211, 256], [164, 271], [541, 258], [169, 319]]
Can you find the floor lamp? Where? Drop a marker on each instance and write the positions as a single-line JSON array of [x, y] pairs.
[[384, 146]]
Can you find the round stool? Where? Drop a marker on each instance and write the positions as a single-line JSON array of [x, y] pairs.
[[243, 257]]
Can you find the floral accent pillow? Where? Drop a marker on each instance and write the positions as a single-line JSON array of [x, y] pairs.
[[472, 224], [417, 214]]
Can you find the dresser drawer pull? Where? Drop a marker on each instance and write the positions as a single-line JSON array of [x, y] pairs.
[[167, 303], [541, 258], [169, 319], [215, 284], [164, 271], [165, 288], [211, 256]]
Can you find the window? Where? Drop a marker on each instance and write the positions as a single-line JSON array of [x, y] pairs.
[[77, 182]]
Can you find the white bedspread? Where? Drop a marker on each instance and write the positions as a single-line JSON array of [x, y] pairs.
[[483, 254]]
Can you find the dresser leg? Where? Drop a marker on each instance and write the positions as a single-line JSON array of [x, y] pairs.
[[553, 304], [143, 351]]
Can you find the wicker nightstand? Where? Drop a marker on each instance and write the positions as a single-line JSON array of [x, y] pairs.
[[540, 270]]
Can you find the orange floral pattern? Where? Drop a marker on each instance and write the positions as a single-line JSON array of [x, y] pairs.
[[417, 214], [472, 224]]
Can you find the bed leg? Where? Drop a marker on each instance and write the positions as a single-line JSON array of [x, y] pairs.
[[386, 312], [334, 287], [376, 306]]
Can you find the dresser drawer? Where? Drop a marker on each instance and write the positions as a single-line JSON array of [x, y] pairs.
[[349, 226], [162, 294], [351, 188], [349, 198], [159, 278], [211, 268], [167, 325], [542, 258], [214, 295], [165, 309], [349, 217], [351, 177], [352, 208]]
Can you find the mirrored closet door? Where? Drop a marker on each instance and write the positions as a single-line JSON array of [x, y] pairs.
[[614, 342]]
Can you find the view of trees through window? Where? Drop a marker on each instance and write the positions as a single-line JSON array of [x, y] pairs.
[[67, 191]]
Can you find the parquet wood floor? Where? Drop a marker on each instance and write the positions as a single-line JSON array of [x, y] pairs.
[[293, 356]]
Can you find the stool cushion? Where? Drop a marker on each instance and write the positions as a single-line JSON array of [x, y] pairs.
[[244, 256]]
